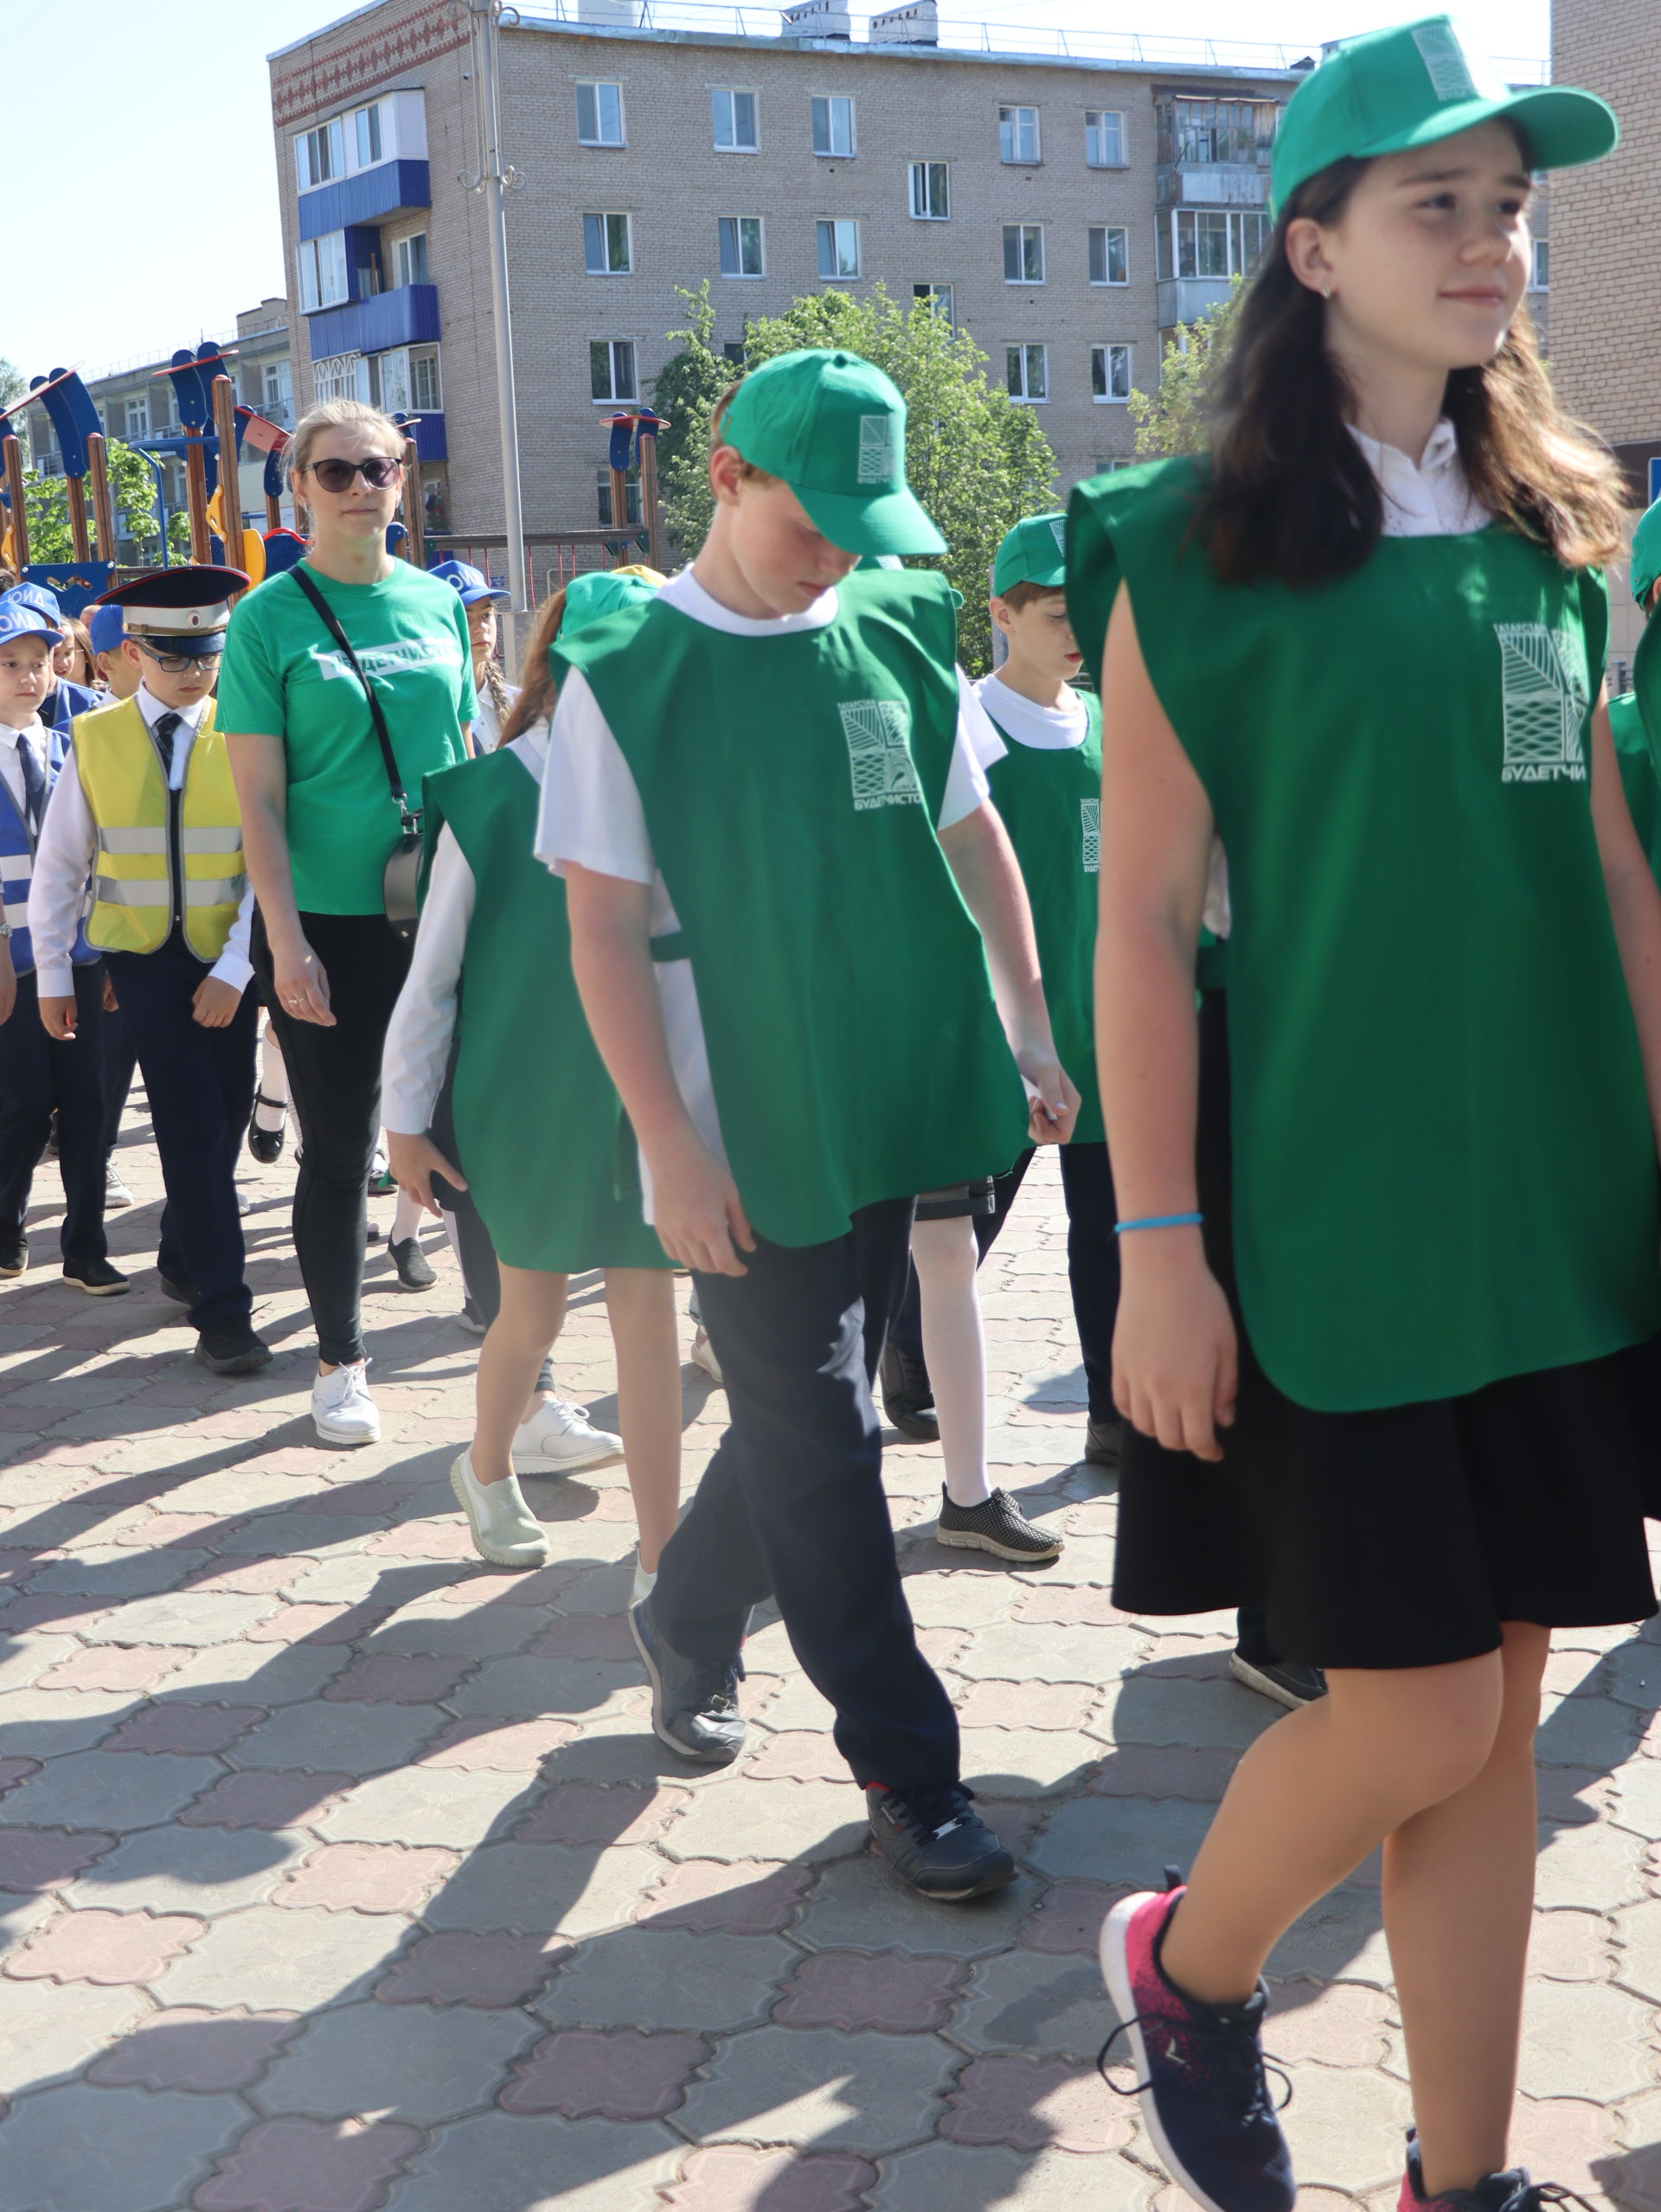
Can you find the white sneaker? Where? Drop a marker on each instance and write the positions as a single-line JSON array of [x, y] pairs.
[[645, 1584], [559, 1438], [703, 1354], [343, 1411], [504, 1530], [116, 1193]]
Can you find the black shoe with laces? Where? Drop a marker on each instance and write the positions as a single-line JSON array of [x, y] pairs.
[[996, 1525], [908, 1396], [176, 1288], [1509, 2191], [96, 1277], [14, 1255], [232, 1348], [933, 1840], [694, 1705], [1289, 1681], [413, 1273]]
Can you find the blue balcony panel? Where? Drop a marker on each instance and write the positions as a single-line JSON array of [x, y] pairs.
[[430, 444], [391, 188], [408, 315]]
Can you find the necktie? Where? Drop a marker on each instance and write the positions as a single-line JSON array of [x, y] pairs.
[[33, 783], [163, 729]]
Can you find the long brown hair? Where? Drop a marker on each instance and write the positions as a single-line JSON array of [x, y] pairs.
[[1290, 494], [537, 690]]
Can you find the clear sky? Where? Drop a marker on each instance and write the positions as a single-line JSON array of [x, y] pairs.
[[142, 162]]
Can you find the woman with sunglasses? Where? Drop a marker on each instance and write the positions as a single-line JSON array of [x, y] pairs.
[[320, 824]]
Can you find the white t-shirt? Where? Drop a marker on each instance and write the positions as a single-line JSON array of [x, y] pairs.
[[1044, 730], [592, 815]]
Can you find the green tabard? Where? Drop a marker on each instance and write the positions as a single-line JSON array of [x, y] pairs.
[[1050, 800], [543, 1143], [1445, 1171], [790, 786], [1639, 777]]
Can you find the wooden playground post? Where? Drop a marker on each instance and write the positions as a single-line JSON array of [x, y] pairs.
[[414, 514], [98, 475], [75, 486], [647, 448], [196, 495], [15, 490], [223, 393]]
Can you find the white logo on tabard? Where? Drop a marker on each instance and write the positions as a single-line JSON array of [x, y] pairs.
[[1544, 697], [876, 458], [879, 752], [1091, 810]]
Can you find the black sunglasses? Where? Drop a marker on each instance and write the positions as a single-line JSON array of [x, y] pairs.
[[380, 471]]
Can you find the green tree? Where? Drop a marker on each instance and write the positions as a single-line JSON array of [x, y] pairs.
[[133, 495], [1173, 419], [977, 459], [687, 386]]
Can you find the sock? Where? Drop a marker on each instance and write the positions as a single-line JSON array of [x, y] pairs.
[[955, 1349], [406, 1218], [273, 1083]]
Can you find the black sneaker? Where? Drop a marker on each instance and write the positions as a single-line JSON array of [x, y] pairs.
[[1289, 1681], [232, 1348], [413, 1273], [96, 1277], [14, 1255], [1103, 1442], [908, 1396], [694, 1707], [176, 1288], [934, 1841], [997, 1525], [1510, 2191], [266, 1145]]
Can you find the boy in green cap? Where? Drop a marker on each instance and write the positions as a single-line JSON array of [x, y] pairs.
[[1639, 775], [758, 784]]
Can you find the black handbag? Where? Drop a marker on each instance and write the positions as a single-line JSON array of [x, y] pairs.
[[402, 871]]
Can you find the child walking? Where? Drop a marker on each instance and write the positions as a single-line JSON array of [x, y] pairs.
[[1389, 1222], [520, 1126], [759, 784]]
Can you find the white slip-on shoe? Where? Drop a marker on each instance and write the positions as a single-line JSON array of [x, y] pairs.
[[645, 1584], [559, 1438], [504, 1530], [343, 1411], [704, 1354]]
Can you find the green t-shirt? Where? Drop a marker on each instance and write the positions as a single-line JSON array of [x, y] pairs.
[[1639, 776], [284, 676]]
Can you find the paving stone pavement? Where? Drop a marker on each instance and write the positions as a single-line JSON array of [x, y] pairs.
[[338, 1872]]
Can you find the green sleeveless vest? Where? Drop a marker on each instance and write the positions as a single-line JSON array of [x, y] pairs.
[[1445, 1171], [1639, 777], [790, 786], [543, 1142], [1051, 805]]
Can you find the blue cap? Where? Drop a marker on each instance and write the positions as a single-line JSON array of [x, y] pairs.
[[469, 584], [36, 596], [601, 591], [106, 628], [17, 621]]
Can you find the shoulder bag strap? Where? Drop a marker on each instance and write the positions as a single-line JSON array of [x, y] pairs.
[[332, 625]]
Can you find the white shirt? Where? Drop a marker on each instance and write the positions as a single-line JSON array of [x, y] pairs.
[[487, 730], [592, 815], [1043, 729], [12, 742], [58, 895]]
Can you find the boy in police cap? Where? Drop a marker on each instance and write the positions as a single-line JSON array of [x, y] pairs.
[[151, 814]]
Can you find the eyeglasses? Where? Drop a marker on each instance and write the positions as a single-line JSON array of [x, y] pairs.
[[177, 663], [380, 471]]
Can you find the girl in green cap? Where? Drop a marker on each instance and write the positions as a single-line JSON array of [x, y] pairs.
[[1389, 1224]]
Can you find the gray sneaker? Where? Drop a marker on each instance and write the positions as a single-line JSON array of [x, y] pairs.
[[693, 1706]]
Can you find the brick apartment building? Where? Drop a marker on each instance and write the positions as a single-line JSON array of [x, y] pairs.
[[1066, 211]]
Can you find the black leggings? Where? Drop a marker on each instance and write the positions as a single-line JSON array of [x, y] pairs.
[[334, 1081]]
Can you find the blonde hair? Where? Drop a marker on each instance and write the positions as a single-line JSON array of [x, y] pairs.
[[338, 414]]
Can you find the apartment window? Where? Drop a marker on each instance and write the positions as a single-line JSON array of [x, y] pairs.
[[607, 245], [366, 130], [342, 377], [321, 263], [732, 350], [741, 246], [931, 191], [611, 368], [600, 115], [277, 400], [409, 260], [320, 154], [631, 497], [1109, 253], [838, 249], [1109, 374], [1212, 133], [1024, 253], [733, 117], [1540, 272], [137, 418], [1212, 242], [833, 126], [1104, 137], [1026, 372], [425, 391], [1017, 134], [940, 297]]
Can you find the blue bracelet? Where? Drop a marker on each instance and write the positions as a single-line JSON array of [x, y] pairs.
[[1161, 1222]]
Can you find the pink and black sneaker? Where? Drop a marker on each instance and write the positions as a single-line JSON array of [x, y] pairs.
[[1509, 2191], [1203, 2090]]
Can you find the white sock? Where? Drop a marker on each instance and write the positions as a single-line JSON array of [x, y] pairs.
[[273, 1085], [406, 1218], [955, 1349]]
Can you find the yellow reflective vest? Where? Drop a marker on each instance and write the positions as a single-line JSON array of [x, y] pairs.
[[161, 854]]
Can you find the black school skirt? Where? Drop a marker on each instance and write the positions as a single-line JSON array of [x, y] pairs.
[[1405, 1538]]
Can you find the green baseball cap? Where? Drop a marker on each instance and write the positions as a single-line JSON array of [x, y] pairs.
[[1647, 552], [1409, 86], [1034, 552], [833, 428], [599, 592]]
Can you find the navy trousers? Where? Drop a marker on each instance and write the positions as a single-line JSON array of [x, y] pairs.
[[36, 1073], [200, 1085], [792, 1506], [120, 1061]]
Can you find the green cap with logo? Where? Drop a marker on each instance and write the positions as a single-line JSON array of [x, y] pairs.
[[601, 591], [1034, 552], [1393, 90], [1646, 553], [833, 428]]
